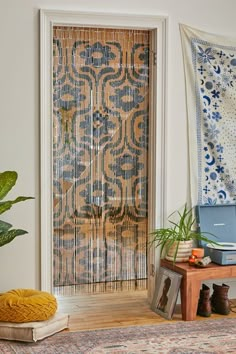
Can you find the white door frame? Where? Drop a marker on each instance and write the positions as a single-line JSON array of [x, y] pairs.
[[158, 24]]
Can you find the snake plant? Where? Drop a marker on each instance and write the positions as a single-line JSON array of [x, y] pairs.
[[7, 181]]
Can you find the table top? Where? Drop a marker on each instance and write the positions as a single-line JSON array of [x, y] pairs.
[[212, 270]]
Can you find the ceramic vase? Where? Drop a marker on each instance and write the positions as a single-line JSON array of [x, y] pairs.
[[184, 251]]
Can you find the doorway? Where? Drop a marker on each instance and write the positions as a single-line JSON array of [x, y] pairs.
[[100, 156], [122, 212]]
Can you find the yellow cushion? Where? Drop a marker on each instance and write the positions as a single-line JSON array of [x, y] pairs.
[[26, 305]]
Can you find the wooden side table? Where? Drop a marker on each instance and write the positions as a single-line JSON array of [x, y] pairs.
[[191, 283]]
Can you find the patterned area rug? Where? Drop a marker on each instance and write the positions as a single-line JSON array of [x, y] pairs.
[[197, 337]]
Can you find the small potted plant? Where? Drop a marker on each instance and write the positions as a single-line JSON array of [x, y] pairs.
[[176, 241], [7, 181]]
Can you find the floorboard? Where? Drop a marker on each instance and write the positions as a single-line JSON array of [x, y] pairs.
[[109, 310]]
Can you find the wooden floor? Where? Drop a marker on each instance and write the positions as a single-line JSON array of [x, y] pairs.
[[119, 309]]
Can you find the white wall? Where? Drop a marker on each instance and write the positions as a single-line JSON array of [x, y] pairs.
[[19, 140], [19, 97]]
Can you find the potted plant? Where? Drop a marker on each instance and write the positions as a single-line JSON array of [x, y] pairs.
[[7, 181], [176, 241]]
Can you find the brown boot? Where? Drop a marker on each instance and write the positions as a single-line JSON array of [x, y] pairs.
[[219, 299], [204, 304]]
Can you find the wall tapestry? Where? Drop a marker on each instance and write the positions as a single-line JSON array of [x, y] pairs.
[[100, 154], [210, 72]]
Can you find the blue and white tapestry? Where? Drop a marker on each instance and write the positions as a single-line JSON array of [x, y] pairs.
[[210, 72]]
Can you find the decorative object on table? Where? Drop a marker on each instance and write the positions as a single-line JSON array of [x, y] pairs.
[[7, 181], [27, 305], [219, 220], [204, 302], [203, 262], [209, 62], [192, 260], [166, 292], [198, 252], [176, 241]]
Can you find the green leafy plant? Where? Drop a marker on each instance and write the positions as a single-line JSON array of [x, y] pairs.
[[180, 230], [7, 181]]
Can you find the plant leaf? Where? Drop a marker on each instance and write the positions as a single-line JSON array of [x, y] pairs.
[[7, 181], [4, 206], [201, 237], [6, 237], [4, 226]]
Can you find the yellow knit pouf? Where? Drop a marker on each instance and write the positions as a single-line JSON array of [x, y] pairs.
[[26, 305]]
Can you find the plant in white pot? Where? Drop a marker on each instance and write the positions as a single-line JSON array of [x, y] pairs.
[[177, 240], [7, 181]]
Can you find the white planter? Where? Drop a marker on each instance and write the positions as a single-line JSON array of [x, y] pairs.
[[184, 251]]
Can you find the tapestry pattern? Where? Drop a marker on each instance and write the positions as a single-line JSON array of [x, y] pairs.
[[213, 82], [100, 154]]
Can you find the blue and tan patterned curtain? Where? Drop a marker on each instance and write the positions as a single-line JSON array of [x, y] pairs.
[[100, 154]]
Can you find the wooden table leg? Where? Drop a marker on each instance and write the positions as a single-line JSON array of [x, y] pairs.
[[189, 292]]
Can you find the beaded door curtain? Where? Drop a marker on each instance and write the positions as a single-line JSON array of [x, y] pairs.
[[100, 154]]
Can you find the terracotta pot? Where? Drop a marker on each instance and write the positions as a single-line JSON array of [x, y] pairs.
[[184, 251]]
